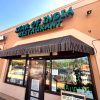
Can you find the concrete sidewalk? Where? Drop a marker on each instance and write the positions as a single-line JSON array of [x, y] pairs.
[[6, 97]]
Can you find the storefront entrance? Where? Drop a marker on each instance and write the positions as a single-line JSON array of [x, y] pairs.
[[54, 65], [55, 73], [35, 80]]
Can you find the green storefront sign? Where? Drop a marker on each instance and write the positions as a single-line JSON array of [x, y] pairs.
[[48, 22]]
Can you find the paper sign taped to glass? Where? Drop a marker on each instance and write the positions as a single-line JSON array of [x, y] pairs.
[[32, 98], [35, 94], [65, 95], [35, 84]]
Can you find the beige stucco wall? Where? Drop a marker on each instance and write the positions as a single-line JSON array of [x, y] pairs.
[[1, 60], [1, 66], [96, 74], [78, 26], [48, 96]]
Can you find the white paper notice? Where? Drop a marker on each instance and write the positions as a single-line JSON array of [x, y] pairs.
[[35, 94], [54, 71], [35, 84], [32, 98]]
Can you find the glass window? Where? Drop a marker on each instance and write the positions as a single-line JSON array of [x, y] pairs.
[[36, 71], [48, 74], [71, 75], [16, 72]]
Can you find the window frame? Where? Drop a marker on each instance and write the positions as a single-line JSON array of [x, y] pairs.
[[94, 91], [10, 60], [52, 58]]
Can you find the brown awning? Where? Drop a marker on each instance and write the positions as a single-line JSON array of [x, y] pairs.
[[66, 43]]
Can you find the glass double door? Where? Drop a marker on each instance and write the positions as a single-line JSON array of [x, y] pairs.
[[34, 90]]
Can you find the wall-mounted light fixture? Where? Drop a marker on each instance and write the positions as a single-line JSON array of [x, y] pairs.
[[89, 31], [2, 37], [89, 12]]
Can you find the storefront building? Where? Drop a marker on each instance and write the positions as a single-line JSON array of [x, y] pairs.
[[59, 50]]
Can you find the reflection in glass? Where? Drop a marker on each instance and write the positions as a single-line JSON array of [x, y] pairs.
[[72, 75], [48, 73], [16, 72], [36, 70]]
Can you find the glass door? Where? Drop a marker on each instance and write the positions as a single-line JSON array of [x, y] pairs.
[[35, 80]]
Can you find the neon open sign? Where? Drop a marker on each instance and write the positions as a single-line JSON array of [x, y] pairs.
[[48, 22]]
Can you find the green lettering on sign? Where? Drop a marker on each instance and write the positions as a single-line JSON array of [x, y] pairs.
[[74, 88], [48, 22]]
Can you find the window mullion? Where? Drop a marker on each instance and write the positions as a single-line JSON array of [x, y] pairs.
[[50, 72], [25, 70]]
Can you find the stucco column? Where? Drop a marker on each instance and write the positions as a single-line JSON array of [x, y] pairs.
[[95, 73]]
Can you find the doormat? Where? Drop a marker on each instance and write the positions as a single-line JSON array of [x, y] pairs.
[[2, 98]]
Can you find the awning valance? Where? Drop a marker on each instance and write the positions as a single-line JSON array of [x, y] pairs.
[[66, 43]]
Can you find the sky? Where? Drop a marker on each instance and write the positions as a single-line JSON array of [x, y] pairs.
[[13, 12]]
